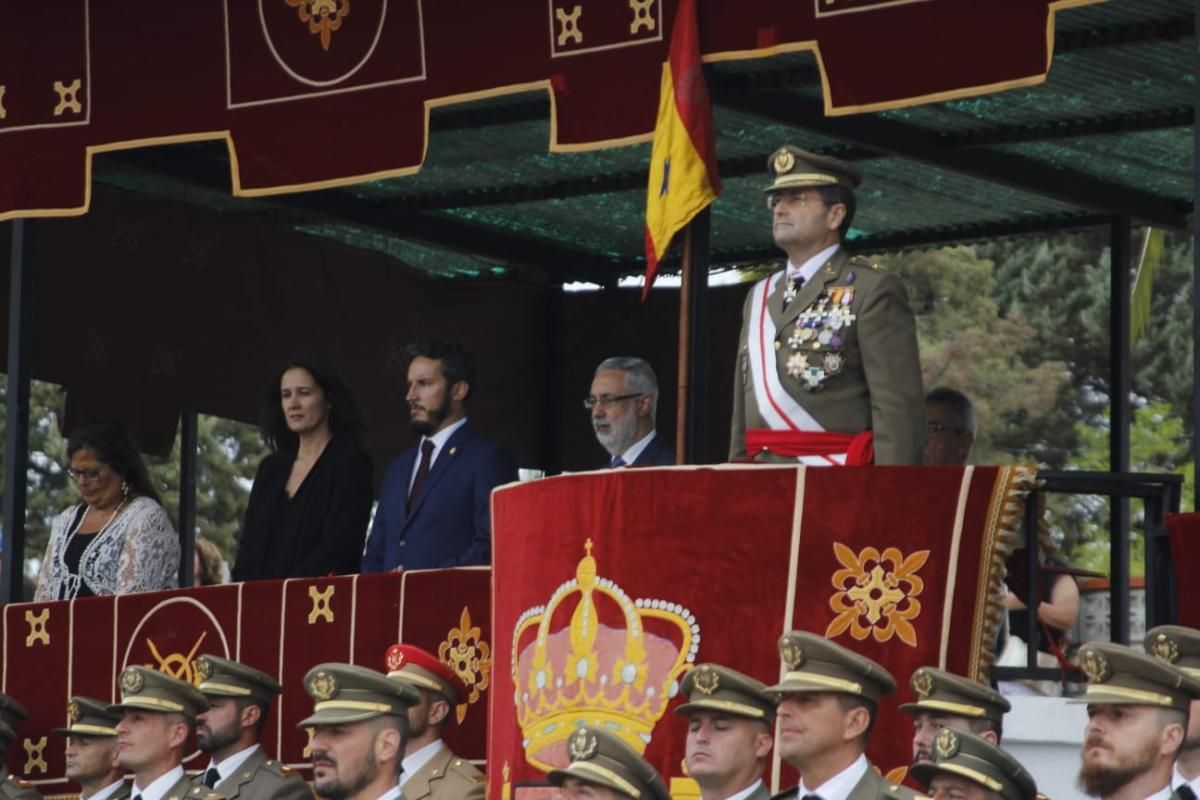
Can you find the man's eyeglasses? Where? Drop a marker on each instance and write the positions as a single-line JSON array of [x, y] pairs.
[[84, 475], [934, 428], [607, 400]]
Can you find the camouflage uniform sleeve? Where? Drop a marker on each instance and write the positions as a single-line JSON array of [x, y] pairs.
[[887, 338]]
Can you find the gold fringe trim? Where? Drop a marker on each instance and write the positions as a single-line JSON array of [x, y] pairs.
[[1001, 535]]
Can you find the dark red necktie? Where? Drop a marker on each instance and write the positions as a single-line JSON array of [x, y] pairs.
[[422, 470]]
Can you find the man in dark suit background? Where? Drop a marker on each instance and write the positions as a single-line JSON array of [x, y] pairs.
[[434, 506], [623, 403]]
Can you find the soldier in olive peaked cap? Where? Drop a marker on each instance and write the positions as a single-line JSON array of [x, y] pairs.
[[969, 767], [157, 716], [730, 716], [92, 750], [1180, 647], [1137, 720], [828, 369], [431, 769], [360, 728], [239, 697], [946, 700], [602, 760], [827, 688]]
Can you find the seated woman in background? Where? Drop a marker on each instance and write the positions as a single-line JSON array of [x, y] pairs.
[[119, 540], [311, 498]]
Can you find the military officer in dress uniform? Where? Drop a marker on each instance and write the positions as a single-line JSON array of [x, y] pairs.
[[827, 363], [11, 788], [945, 700], [431, 769], [1180, 646], [239, 698], [603, 767], [730, 717], [360, 726], [969, 767], [828, 700], [92, 750], [1137, 719], [157, 716]]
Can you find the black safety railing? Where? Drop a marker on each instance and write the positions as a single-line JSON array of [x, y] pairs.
[[1160, 495]]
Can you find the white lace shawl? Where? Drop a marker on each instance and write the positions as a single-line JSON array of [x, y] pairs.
[[137, 552]]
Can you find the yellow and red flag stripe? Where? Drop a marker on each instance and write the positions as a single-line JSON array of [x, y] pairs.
[[683, 161]]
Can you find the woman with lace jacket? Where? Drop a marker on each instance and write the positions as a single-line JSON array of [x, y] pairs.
[[119, 540]]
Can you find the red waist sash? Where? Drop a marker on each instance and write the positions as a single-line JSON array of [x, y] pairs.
[[858, 447]]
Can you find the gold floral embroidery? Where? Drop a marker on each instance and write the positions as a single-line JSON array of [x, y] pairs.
[[876, 594], [324, 17], [470, 657]]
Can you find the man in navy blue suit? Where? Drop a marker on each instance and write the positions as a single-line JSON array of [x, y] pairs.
[[434, 507], [623, 403]]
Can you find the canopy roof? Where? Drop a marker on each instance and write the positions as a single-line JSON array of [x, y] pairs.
[[1108, 133]]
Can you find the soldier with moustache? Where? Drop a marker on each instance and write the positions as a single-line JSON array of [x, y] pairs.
[[92, 750], [431, 769], [828, 370], [1137, 709], [828, 700], [229, 730], [730, 719]]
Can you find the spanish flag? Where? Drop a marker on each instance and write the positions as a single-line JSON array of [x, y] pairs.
[[683, 160]]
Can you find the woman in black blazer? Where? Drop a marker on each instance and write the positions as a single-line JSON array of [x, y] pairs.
[[311, 499]]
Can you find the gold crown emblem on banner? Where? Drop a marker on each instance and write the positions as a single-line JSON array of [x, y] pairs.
[[615, 665]]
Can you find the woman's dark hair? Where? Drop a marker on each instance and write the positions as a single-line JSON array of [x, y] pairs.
[[112, 444], [344, 420]]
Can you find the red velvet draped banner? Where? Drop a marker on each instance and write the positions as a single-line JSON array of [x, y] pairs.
[[610, 586], [55, 650], [307, 97], [1184, 531]]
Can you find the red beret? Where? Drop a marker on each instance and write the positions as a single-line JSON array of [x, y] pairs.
[[418, 667]]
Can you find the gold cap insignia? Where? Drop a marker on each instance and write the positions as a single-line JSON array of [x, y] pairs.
[[322, 686], [1166, 648], [791, 652], [707, 680], [946, 744], [783, 161], [204, 668], [395, 657], [922, 683], [132, 680], [582, 745], [1096, 666], [72, 712]]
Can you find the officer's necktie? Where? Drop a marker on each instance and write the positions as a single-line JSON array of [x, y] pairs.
[[1185, 792], [812, 797], [212, 777], [616, 461], [422, 470]]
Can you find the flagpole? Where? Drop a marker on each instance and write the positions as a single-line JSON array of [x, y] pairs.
[[691, 422]]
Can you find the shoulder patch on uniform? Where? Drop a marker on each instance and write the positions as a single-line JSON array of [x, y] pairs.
[[466, 769], [278, 768]]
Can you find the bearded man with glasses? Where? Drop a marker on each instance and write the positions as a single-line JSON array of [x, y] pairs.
[[623, 403]]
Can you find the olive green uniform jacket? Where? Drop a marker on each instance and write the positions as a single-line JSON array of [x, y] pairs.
[[262, 778], [13, 789], [878, 385], [445, 777], [871, 786]]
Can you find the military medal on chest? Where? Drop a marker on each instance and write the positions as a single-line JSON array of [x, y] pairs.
[[818, 338]]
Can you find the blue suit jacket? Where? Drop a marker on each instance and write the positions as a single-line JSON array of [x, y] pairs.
[[450, 524], [658, 453]]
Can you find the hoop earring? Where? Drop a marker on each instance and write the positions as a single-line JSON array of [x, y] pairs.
[[125, 489]]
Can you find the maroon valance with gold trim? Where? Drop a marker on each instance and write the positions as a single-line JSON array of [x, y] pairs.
[[315, 93]]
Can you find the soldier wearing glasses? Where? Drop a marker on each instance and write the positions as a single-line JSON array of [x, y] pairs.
[[950, 426], [623, 403], [827, 370]]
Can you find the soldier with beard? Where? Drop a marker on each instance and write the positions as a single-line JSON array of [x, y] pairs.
[[229, 732], [92, 750], [359, 729], [1180, 646], [431, 769], [623, 403], [1137, 717], [435, 503], [945, 700]]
